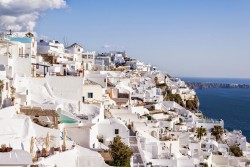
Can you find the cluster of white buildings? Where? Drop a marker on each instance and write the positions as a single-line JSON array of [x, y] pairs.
[[63, 106]]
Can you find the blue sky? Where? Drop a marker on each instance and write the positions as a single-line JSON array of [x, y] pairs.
[[209, 38]]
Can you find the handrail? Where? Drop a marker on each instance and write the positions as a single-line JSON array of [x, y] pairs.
[[24, 55]]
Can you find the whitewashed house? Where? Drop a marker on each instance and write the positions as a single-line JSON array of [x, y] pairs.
[[118, 59], [88, 60], [89, 135], [53, 47]]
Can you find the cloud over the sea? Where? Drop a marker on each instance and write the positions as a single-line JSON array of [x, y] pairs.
[[21, 15]]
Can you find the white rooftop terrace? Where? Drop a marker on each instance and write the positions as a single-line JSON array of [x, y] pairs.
[[125, 115]]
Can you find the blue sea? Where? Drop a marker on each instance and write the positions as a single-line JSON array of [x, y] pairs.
[[231, 105]]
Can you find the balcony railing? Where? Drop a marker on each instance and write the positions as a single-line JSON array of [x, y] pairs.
[[24, 55]]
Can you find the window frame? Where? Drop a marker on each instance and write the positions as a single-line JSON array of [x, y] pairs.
[[116, 131], [90, 95]]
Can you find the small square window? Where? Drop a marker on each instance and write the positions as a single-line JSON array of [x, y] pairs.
[[116, 131], [90, 95]]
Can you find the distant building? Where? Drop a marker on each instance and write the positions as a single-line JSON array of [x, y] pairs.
[[88, 60], [75, 49]]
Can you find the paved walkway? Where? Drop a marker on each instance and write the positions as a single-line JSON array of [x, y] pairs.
[[137, 160]]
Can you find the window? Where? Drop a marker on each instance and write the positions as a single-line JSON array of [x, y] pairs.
[[90, 56], [90, 95], [84, 56], [116, 131]]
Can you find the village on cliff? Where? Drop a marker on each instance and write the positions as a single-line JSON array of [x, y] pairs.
[[67, 107]]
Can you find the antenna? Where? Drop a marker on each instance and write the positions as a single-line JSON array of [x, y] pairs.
[[65, 41]]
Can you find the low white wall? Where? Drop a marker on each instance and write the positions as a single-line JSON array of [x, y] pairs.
[[8, 112], [66, 87], [138, 110], [21, 66]]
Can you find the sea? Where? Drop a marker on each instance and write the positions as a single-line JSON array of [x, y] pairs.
[[231, 105]]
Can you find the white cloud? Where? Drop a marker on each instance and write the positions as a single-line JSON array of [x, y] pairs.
[[106, 46], [21, 15]]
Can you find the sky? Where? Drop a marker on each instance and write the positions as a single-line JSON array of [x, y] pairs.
[[191, 38]]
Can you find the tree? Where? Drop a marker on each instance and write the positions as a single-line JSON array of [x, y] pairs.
[[29, 35], [236, 150], [217, 131], [120, 152], [156, 80], [48, 58], [12, 91], [201, 132], [1, 90]]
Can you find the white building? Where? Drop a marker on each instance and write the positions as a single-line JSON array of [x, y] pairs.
[[88, 60], [52, 47], [87, 135], [118, 59]]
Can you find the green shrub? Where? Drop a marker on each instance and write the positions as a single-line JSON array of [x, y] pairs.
[[174, 97], [120, 152], [236, 151]]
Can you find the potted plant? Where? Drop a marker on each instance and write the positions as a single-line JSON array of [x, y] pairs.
[[63, 148], [44, 152], [8, 149], [52, 150], [13, 91], [149, 164], [58, 149], [3, 148], [100, 139]]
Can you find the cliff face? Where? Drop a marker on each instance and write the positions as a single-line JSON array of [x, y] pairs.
[[174, 97], [192, 105]]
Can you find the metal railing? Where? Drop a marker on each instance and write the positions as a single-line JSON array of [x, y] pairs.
[[24, 55]]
